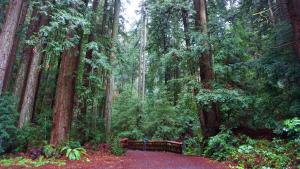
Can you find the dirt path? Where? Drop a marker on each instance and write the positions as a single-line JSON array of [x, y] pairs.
[[163, 160], [138, 160]]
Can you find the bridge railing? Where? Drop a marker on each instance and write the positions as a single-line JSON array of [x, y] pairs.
[[152, 145]]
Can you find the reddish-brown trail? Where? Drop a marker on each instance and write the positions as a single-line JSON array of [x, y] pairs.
[[139, 160]]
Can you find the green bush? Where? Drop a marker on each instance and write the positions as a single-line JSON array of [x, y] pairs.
[[221, 146], [49, 151], [292, 126], [135, 134], [265, 154], [8, 119], [116, 147], [192, 146], [26, 137]]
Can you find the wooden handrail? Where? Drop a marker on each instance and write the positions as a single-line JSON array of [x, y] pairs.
[[152, 145]]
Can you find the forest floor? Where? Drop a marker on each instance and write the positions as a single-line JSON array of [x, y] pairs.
[[138, 160]]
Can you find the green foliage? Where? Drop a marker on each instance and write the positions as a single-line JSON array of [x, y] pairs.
[[155, 117], [263, 153], [192, 146], [73, 152], [134, 134], [49, 151], [24, 162], [8, 119], [116, 147], [293, 125], [221, 146]]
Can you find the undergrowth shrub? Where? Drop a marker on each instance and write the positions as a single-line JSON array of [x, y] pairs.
[[50, 151], [292, 126], [26, 137], [134, 134], [116, 147], [24, 162], [265, 154], [221, 146], [73, 150], [8, 119], [192, 146]]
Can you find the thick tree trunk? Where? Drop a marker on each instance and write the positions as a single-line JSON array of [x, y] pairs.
[[294, 13], [27, 55], [27, 106], [64, 99], [7, 37], [16, 44], [210, 120], [142, 59], [110, 77]]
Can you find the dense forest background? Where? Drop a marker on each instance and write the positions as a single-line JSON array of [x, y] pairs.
[[219, 75]]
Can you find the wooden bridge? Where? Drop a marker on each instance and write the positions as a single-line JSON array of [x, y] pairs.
[[152, 145]]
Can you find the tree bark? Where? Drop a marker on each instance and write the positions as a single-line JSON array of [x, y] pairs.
[[294, 13], [27, 106], [272, 17], [110, 77], [283, 9], [142, 59], [7, 37], [27, 55], [185, 19], [209, 120], [16, 44], [64, 99]]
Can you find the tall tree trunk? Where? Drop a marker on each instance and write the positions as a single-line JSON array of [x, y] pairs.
[[27, 55], [16, 44], [294, 13], [31, 84], [65, 92], [142, 59], [104, 19], [7, 37], [185, 20], [110, 77], [31, 88], [283, 9], [103, 33], [210, 120], [272, 17]]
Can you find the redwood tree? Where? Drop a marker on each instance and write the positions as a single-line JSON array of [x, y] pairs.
[[294, 13], [36, 22], [7, 37], [16, 44], [64, 99], [110, 77], [142, 58], [32, 80], [209, 120]]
